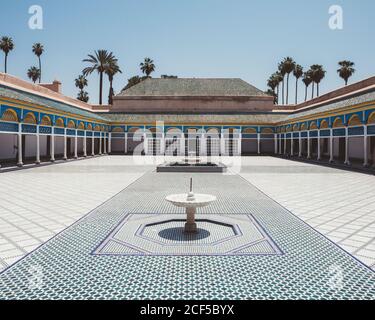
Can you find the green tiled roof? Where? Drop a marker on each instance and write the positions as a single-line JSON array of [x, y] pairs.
[[7, 92], [192, 87]]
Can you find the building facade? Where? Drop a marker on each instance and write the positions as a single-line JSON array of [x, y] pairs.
[[180, 117]]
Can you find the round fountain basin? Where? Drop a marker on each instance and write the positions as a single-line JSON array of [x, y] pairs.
[[181, 200]]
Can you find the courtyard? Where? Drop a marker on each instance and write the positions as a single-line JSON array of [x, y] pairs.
[[101, 229]]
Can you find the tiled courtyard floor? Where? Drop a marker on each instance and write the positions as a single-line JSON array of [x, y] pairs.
[[45, 199], [339, 204]]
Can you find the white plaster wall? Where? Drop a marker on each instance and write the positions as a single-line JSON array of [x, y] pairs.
[[118, 145], [7, 143], [249, 146], [356, 149]]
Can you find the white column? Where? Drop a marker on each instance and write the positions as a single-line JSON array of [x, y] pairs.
[[258, 141], [126, 143], [365, 146], [105, 142], [299, 144], [319, 151], [182, 145], [65, 153], [76, 145], [19, 145], [84, 144], [308, 145], [239, 141], [162, 144], [292, 144], [347, 161], [52, 144], [100, 143], [280, 143], [285, 141], [37, 161], [92, 143], [109, 142], [331, 145], [145, 143], [222, 144], [275, 142]]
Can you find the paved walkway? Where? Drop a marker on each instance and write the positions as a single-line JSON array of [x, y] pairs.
[[339, 204], [308, 265], [37, 203]]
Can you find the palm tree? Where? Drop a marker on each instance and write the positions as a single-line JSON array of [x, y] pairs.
[[278, 79], [6, 45], [111, 69], [346, 70], [307, 81], [33, 73], [99, 60], [298, 73], [147, 66], [38, 50], [318, 74], [282, 72], [288, 65], [132, 82], [273, 83], [81, 82], [83, 96]]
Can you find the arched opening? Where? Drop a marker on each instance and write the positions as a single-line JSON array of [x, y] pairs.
[[135, 137], [313, 127], [267, 141], [324, 140], [356, 146], [9, 115], [249, 141], [338, 140]]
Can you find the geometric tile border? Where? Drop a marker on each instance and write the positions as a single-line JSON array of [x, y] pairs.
[[162, 235]]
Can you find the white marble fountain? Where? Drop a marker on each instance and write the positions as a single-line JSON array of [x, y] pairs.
[[191, 202]]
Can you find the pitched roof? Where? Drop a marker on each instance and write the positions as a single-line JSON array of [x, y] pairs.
[[232, 87]]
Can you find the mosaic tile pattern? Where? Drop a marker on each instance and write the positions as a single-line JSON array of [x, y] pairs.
[[312, 267], [155, 234]]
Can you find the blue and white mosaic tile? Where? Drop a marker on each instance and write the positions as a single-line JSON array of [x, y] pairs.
[[310, 266]]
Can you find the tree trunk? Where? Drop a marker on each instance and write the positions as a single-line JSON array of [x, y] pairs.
[[346, 82], [317, 89], [306, 93], [287, 89], [100, 88], [6, 62], [110, 95], [40, 69], [282, 88], [277, 90], [313, 89], [296, 90]]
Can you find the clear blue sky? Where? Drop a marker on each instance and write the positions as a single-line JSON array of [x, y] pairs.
[[190, 38]]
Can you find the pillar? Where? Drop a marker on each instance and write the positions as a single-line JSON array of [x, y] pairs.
[[182, 145], [100, 143], [126, 143], [92, 143], [292, 144], [319, 151], [285, 141], [222, 144], [37, 160], [365, 146], [308, 145], [275, 142], [331, 145], [258, 140], [347, 161], [162, 144], [280, 143], [65, 153], [145, 143], [105, 142], [239, 144], [84, 144], [109, 142], [52, 144], [299, 144], [76, 145], [19, 146]]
